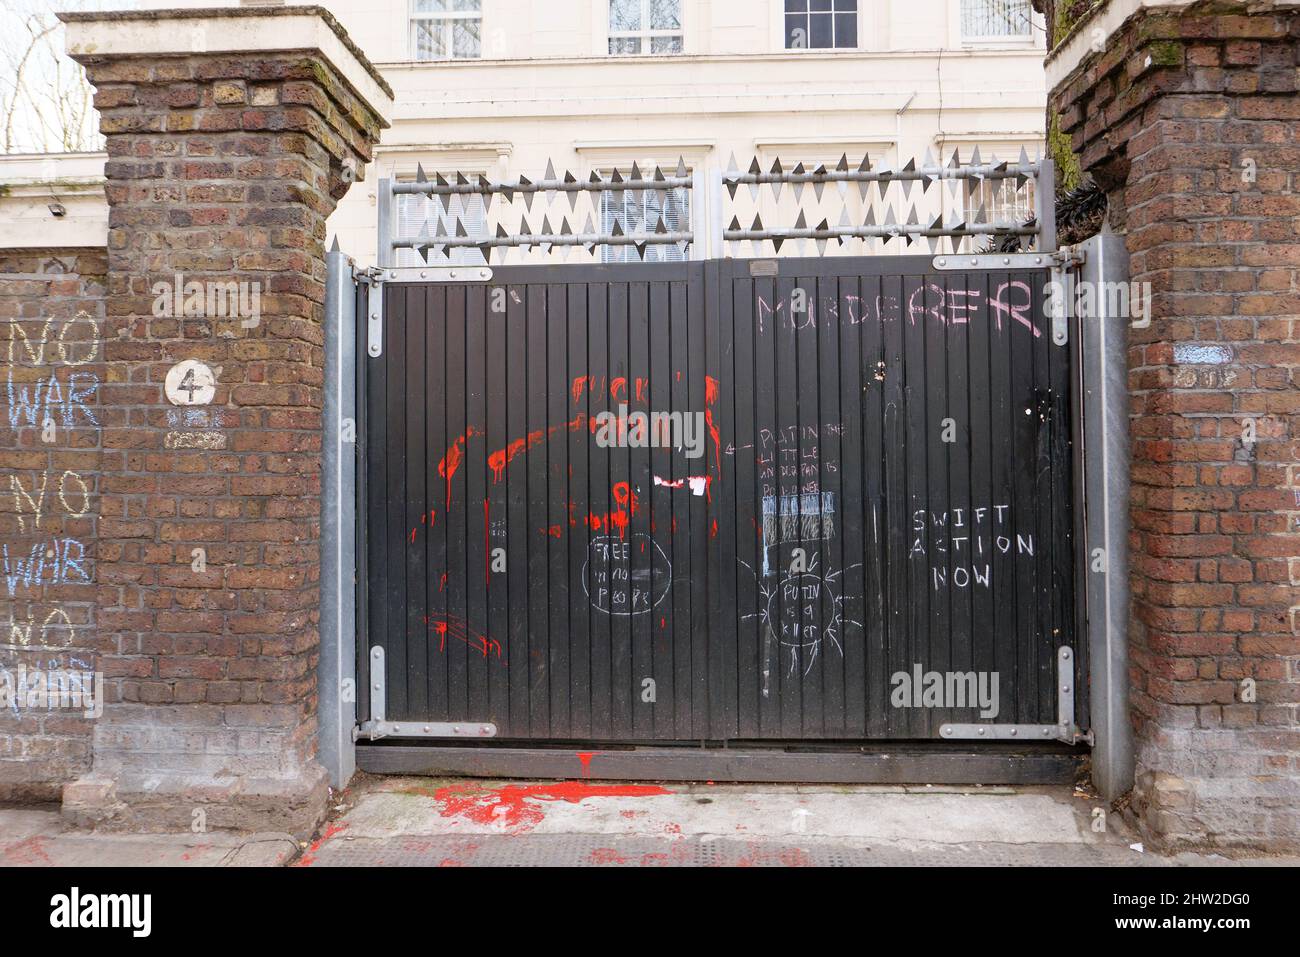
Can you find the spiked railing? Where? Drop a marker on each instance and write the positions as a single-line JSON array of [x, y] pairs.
[[875, 186]]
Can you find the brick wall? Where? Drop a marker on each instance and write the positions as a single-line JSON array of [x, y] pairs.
[[51, 310], [222, 168], [1190, 120]]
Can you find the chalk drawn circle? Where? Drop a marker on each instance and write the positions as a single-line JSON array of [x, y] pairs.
[[190, 382], [796, 604], [625, 584]]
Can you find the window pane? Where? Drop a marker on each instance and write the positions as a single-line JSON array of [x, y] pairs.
[[430, 6], [429, 41], [819, 31], [470, 5], [846, 6], [665, 14], [821, 6], [624, 15], [665, 44], [995, 18], [846, 30], [796, 31], [796, 6], [624, 45], [465, 38]]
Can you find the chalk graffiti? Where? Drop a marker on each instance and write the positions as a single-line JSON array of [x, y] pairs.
[[626, 577], [967, 539]]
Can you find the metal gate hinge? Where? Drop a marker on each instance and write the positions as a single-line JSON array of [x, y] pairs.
[[378, 727], [374, 312], [1064, 730]]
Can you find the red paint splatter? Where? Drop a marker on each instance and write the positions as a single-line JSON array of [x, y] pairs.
[[413, 531], [640, 389], [710, 390], [585, 757], [514, 805], [607, 855], [443, 584], [617, 385], [713, 529], [309, 856], [553, 530], [717, 442], [446, 625]]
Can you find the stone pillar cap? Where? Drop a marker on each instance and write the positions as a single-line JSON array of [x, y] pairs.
[[229, 30]]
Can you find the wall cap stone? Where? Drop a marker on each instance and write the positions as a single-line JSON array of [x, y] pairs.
[[207, 31], [1072, 50]]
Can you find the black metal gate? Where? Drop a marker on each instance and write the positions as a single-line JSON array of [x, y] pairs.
[[857, 525]]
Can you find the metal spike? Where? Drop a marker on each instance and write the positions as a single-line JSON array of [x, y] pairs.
[[419, 174], [871, 216], [819, 185], [776, 166], [821, 243], [528, 196], [908, 183], [734, 225], [776, 244], [842, 167], [617, 230], [681, 167], [798, 187], [911, 221], [800, 223], [508, 193], [975, 161], [758, 224], [335, 247], [636, 172], [1021, 178], [546, 231], [956, 158], [550, 175], [776, 187], [659, 175], [573, 193], [865, 165], [927, 163], [844, 224], [661, 228], [460, 179], [594, 177], [564, 227], [982, 216]]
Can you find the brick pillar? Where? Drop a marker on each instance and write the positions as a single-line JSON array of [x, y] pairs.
[[231, 134], [1189, 118]]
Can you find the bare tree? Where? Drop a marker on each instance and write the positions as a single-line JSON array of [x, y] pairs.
[[46, 104]]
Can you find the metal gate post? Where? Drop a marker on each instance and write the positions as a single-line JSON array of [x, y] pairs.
[[337, 677], [1103, 341], [386, 222]]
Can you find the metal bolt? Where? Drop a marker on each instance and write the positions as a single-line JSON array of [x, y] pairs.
[[943, 262], [483, 273], [1065, 652], [375, 316], [376, 685], [981, 731], [396, 728], [1065, 688], [1012, 732], [427, 729], [1006, 260], [974, 261], [453, 274], [423, 274], [392, 275]]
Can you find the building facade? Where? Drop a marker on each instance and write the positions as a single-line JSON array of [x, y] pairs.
[[501, 88]]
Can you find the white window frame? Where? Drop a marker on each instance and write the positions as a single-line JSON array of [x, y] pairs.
[[1018, 39], [446, 20], [865, 8], [654, 251], [645, 35], [461, 255]]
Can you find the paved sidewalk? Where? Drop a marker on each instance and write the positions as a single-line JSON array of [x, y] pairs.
[[39, 838], [427, 822], [418, 821]]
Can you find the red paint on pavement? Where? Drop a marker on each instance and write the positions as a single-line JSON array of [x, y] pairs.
[[515, 804], [309, 856]]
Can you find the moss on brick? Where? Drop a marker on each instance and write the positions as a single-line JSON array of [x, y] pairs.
[[1068, 172], [1165, 53]]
